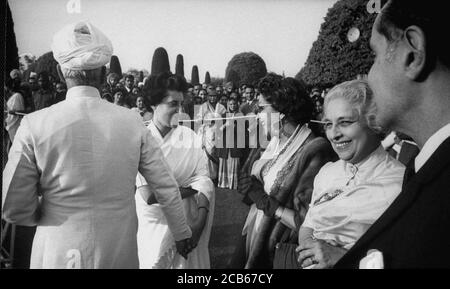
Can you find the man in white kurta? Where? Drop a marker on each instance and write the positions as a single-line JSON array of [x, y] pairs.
[[211, 107], [72, 170]]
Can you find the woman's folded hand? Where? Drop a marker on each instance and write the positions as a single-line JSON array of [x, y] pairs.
[[261, 199]]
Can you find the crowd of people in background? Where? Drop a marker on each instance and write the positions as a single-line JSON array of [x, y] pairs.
[[230, 164], [43, 90], [333, 177]]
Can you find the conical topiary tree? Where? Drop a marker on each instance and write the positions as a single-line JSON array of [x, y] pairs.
[[12, 57], [337, 55], [160, 61], [194, 75], [245, 68], [233, 77], [114, 66], [141, 76], [207, 78], [179, 66]]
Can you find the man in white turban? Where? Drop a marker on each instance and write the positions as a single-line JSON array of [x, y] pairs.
[[72, 168]]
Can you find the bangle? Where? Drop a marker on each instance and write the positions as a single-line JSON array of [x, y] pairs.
[[207, 210]]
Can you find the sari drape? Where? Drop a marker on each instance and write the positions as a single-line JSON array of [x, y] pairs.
[[156, 246]]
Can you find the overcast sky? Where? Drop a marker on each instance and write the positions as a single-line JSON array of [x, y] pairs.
[[206, 32]]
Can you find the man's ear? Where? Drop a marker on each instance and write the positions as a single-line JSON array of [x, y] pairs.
[[60, 74], [416, 56]]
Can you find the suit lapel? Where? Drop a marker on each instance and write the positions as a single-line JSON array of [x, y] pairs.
[[411, 190]]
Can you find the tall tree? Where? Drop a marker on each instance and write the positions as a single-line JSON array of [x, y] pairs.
[[46, 62], [12, 56], [233, 77], [160, 61], [207, 78], [194, 75], [179, 66], [245, 68], [114, 66], [216, 81], [141, 76], [341, 51]]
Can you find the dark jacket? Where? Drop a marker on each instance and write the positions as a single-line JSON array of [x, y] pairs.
[[247, 108], [408, 152], [414, 232]]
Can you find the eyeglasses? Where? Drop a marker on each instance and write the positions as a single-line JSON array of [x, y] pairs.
[[341, 124]]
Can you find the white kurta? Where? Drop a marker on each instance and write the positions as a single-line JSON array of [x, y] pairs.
[[183, 151], [16, 103], [206, 108], [357, 196], [82, 156]]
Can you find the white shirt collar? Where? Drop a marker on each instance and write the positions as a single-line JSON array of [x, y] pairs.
[[431, 146], [82, 91], [375, 157]]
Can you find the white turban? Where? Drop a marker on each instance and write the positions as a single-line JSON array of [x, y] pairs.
[[81, 46]]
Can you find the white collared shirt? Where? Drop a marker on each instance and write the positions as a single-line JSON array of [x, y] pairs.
[[347, 199], [82, 91], [431, 146]]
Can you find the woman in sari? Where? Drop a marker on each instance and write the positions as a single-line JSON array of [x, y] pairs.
[[182, 149], [230, 154], [350, 194], [280, 182]]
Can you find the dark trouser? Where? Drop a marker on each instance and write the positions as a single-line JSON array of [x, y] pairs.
[[238, 259]]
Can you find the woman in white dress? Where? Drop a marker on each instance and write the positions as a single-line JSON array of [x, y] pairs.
[[14, 104], [182, 149]]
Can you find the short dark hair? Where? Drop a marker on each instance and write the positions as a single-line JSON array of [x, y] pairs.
[[234, 95], [44, 75], [13, 85], [430, 17], [129, 76], [250, 86], [156, 86], [287, 96]]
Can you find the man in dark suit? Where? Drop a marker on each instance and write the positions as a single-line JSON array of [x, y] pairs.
[[251, 104], [130, 97], [410, 78]]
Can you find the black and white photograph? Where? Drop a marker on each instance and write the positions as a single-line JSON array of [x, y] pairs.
[[242, 136]]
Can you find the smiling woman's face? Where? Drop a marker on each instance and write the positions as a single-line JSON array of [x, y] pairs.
[[169, 106], [348, 132]]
